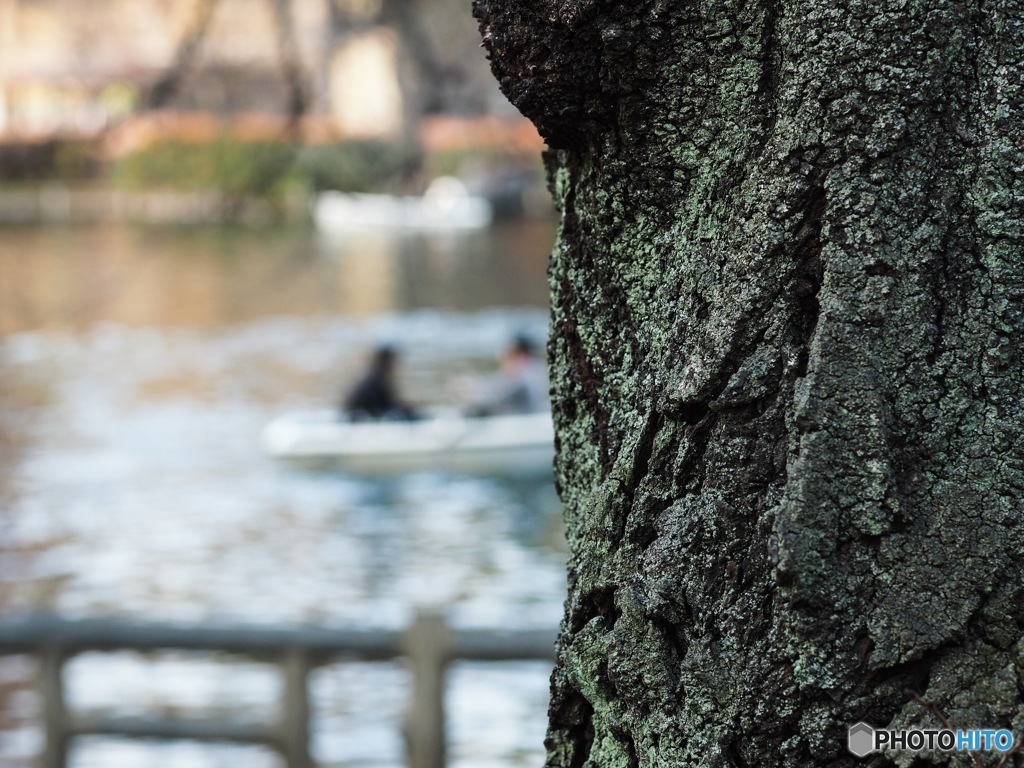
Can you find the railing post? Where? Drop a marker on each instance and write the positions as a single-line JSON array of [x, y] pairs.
[[295, 717], [428, 645], [55, 716]]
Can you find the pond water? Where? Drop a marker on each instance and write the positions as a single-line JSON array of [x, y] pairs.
[[137, 367]]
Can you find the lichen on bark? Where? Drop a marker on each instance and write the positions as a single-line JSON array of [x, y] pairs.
[[787, 312]]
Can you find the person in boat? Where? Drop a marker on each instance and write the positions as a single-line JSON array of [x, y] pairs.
[[521, 385], [375, 396]]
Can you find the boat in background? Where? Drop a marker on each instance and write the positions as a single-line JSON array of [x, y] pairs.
[[446, 205], [514, 445]]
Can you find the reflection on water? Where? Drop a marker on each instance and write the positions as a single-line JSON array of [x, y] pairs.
[[136, 369], [75, 277]]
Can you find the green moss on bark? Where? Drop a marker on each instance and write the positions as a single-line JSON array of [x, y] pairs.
[[788, 297]]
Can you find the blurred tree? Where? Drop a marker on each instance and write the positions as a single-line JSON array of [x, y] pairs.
[[171, 83], [404, 16], [437, 43], [787, 316], [168, 85], [290, 62]]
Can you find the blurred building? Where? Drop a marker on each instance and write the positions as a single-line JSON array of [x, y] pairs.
[[366, 68]]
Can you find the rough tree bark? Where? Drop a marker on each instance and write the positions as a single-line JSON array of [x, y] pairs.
[[787, 300]]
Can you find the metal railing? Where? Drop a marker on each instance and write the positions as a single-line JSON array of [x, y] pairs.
[[429, 644]]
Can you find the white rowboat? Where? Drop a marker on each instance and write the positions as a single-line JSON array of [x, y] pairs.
[[446, 205], [514, 445]]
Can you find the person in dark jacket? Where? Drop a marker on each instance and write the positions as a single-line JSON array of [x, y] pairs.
[[374, 395], [521, 385]]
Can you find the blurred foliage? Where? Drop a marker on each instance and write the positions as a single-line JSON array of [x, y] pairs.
[[268, 170], [235, 168], [481, 160], [54, 159], [263, 169], [358, 166]]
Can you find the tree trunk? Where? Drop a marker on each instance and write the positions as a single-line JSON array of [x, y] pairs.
[[787, 299]]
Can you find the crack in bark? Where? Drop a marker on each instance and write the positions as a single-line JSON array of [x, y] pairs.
[[589, 383], [808, 274], [768, 83]]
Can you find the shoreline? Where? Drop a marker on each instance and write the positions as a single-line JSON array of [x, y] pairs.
[[58, 203]]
